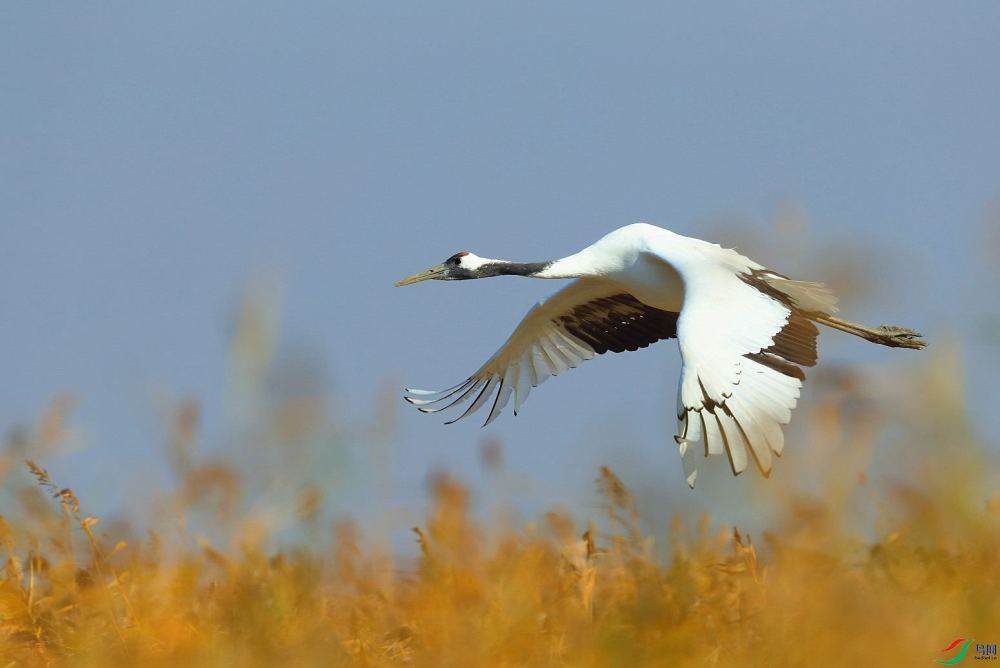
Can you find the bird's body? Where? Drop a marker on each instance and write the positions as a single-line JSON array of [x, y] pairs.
[[743, 333]]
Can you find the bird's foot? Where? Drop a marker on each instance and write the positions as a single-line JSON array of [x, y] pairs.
[[898, 337]]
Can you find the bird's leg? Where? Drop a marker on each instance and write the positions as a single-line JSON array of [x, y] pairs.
[[886, 335]]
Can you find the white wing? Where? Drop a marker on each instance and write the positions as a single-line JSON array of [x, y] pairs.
[[588, 317], [742, 331]]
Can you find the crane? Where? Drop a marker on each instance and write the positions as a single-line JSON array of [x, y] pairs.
[[744, 334]]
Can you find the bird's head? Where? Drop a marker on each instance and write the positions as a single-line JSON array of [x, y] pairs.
[[459, 267]]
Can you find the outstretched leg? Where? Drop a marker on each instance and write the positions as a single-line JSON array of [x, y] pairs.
[[886, 335]]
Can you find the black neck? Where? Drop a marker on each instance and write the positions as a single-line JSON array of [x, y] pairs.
[[512, 268]]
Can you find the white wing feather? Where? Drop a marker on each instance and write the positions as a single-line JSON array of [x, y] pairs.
[[728, 400], [538, 348]]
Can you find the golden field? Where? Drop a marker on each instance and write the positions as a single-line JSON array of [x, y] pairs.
[[889, 552]]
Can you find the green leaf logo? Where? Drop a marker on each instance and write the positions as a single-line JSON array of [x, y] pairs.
[[961, 653]]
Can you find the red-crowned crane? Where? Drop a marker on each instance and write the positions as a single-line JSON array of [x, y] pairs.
[[743, 332]]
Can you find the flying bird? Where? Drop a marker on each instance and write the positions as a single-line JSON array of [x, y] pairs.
[[744, 332]]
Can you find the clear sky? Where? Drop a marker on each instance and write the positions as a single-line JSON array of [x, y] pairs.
[[155, 157]]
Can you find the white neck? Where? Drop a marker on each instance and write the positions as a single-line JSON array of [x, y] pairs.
[[572, 266]]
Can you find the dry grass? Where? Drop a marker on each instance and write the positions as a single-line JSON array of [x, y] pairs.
[[866, 563]]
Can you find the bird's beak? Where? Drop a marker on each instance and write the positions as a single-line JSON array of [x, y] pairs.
[[436, 271]]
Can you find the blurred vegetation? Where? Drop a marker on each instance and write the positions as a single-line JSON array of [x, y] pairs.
[[883, 544]]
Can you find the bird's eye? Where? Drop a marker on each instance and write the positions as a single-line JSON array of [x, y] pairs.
[[455, 261]]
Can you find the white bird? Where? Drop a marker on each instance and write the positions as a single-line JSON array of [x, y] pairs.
[[743, 332]]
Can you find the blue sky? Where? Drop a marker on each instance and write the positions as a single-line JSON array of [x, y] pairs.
[[154, 158]]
